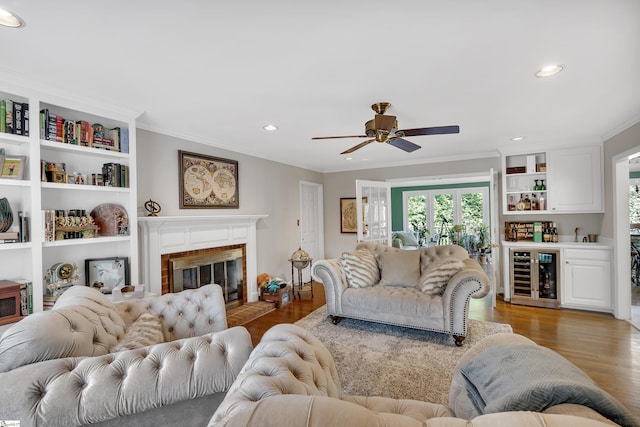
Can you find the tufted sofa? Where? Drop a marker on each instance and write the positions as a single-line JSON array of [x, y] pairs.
[[290, 380], [56, 369], [406, 305]]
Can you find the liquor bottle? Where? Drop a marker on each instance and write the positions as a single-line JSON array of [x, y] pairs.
[[514, 232], [541, 202], [554, 234], [512, 203], [527, 203], [521, 203], [534, 202], [546, 233]]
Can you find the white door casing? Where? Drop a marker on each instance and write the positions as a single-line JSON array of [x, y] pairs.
[[311, 221]]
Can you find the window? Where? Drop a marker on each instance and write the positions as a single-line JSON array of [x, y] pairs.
[[447, 215]]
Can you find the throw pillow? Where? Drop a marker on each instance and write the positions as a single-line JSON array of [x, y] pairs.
[[146, 330], [400, 268], [361, 268], [435, 277]]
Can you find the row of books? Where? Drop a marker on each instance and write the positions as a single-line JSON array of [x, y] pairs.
[[26, 297], [14, 117], [54, 127], [115, 175]]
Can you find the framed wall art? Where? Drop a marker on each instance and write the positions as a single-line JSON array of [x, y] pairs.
[[106, 274], [207, 182], [348, 223], [12, 166]]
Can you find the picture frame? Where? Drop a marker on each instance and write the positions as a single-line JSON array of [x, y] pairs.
[[348, 223], [107, 274], [207, 182], [12, 167]]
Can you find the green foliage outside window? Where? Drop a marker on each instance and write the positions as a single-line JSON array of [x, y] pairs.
[[634, 205]]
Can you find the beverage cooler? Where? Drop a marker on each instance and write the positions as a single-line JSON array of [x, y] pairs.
[[535, 277]]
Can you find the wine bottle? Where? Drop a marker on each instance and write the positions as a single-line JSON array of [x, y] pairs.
[[554, 234], [521, 203], [527, 203], [534, 202]]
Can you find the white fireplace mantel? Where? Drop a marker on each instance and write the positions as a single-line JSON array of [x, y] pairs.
[[168, 234]]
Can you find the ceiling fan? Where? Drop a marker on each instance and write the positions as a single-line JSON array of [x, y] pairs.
[[385, 129]]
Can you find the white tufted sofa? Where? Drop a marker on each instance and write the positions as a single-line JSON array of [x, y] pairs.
[[406, 306], [55, 368], [290, 380]]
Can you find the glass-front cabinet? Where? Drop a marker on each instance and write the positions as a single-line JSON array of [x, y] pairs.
[[535, 277]]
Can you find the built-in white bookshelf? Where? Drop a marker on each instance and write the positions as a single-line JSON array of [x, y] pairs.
[[30, 260]]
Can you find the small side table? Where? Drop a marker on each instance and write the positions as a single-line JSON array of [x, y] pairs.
[[301, 287]]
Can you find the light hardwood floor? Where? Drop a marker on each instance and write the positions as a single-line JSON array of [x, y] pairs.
[[608, 350]]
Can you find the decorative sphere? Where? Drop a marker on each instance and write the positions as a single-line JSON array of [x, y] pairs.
[[300, 259]]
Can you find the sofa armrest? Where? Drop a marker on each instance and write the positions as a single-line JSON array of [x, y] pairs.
[[331, 273], [82, 390], [468, 282]]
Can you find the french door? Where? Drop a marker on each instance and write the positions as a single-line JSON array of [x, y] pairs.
[[373, 211]]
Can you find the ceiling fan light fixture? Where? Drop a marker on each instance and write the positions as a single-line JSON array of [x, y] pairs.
[[270, 127], [11, 20], [549, 70]]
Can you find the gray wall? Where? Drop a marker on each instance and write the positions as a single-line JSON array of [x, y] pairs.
[[621, 143], [266, 187]]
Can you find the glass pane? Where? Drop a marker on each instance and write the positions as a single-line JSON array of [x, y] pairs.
[[417, 216], [634, 204], [375, 214], [443, 217], [472, 210], [472, 214]]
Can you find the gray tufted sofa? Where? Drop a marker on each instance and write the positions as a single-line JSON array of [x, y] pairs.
[[406, 306], [290, 380], [56, 369]]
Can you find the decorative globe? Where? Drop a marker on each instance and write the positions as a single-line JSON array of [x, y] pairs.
[[300, 259]]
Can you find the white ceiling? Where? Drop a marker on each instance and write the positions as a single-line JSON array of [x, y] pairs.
[[216, 72]]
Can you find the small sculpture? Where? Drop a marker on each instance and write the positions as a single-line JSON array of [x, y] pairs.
[[152, 207]]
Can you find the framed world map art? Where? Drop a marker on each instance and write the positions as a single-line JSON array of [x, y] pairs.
[[207, 182]]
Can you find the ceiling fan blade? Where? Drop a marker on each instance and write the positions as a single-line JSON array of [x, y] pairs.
[[335, 137], [383, 122], [403, 144], [438, 130], [357, 147]]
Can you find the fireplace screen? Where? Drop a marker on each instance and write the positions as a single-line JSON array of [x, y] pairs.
[[223, 268]]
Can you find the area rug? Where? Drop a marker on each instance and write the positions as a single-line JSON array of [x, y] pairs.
[[382, 360]]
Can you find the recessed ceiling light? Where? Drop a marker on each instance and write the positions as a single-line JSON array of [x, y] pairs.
[[348, 158], [270, 127], [517, 138], [549, 70], [9, 19]]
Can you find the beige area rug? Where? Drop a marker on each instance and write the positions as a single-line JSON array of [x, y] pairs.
[[382, 360]]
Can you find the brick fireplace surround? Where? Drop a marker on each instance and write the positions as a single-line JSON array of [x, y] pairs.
[[163, 235]]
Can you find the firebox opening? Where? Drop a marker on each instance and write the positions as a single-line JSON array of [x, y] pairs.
[[225, 267]]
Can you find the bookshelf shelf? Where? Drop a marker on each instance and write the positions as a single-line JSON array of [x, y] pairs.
[[94, 152], [78, 187], [15, 246], [88, 241]]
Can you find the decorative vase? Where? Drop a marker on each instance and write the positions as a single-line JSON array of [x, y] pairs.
[[6, 217]]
